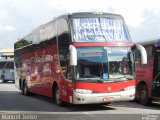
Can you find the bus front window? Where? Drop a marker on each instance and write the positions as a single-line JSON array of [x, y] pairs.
[[120, 61], [106, 63], [92, 62], [100, 29]]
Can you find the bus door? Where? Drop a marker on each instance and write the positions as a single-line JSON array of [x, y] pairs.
[[156, 77], [66, 84]]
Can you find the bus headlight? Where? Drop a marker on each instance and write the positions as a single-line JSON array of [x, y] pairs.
[[83, 91], [129, 88]]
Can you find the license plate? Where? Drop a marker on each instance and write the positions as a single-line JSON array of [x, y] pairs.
[[108, 99]]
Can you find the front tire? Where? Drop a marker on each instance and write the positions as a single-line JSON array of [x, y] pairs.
[[25, 89], [144, 95], [57, 97]]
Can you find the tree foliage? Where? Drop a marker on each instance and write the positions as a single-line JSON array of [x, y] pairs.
[[21, 43]]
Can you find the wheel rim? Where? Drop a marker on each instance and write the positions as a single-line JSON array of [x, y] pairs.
[[143, 95], [25, 89], [58, 97]]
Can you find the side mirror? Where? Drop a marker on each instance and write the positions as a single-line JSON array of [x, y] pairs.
[[143, 53], [73, 55]]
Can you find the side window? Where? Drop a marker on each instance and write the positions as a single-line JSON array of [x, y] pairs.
[[48, 31], [149, 50], [137, 56], [63, 44], [48, 34]]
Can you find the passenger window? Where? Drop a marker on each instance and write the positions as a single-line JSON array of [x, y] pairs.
[[63, 44]]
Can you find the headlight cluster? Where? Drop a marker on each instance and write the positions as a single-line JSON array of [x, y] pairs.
[[83, 91], [129, 88]]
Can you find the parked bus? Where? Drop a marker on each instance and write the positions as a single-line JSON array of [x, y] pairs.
[[148, 76], [78, 58], [7, 70]]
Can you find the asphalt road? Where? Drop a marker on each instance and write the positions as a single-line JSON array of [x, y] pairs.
[[14, 105]]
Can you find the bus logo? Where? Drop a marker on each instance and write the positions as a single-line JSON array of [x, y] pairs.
[[109, 89]]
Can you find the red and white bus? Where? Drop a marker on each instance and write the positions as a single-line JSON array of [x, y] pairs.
[[78, 58], [148, 76]]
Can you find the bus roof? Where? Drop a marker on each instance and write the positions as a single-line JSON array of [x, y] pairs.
[[94, 14], [150, 42], [155, 42], [7, 60]]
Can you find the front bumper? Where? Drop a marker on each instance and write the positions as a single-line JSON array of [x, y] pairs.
[[95, 98]]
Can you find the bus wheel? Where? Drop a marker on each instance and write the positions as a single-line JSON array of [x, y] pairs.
[[144, 95], [22, 87], [25, 89], [57, 97]]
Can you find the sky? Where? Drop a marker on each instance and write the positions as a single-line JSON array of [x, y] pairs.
[[19, 17]]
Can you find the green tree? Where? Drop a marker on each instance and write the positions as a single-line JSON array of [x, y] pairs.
[[21, 43]]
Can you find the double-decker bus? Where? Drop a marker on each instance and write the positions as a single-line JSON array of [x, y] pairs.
[[148, 76], [78, 58]]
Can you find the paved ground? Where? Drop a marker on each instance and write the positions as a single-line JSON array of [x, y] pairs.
[[13, 102]]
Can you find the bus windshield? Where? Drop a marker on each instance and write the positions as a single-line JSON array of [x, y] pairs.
[[6, 65], [100, 30], [105, 63]]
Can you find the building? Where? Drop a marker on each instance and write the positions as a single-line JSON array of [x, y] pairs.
[[6, 53]]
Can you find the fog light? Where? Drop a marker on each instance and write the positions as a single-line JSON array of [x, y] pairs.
[[78, 99]]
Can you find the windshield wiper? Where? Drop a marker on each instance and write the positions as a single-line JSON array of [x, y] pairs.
[[100, 80], [93, 79], [129, 77], [125, 77]]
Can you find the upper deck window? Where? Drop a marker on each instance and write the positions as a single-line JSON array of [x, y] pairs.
[[99, 30]]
